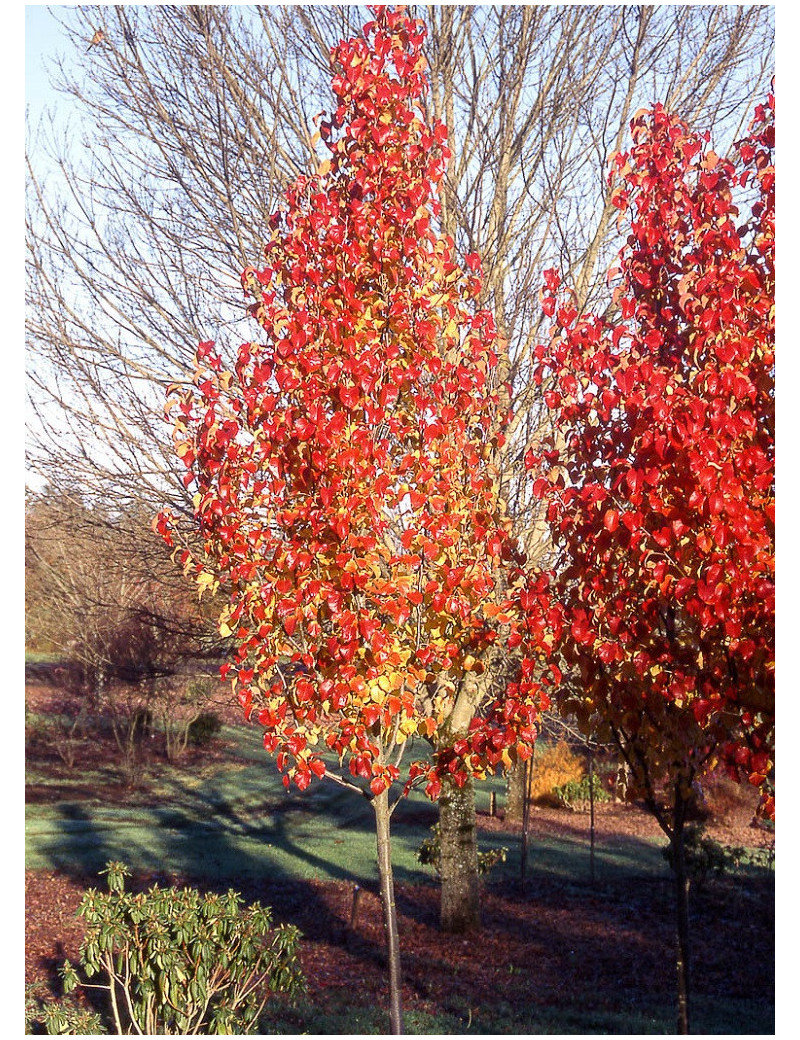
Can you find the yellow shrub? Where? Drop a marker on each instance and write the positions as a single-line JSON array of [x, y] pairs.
[[556, 765]]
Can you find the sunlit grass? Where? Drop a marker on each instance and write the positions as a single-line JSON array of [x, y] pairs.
[[236, 819]]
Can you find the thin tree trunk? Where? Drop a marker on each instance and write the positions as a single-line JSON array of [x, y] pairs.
[[527, 771], [591, 816], [515, 793], [458, 843], [380, 803], [681, 915]]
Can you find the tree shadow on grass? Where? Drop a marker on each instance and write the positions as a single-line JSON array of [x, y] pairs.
[[241, 830], [535, 938], [274, 849]]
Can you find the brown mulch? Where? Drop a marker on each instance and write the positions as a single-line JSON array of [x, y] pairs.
[[533, 940], [536, 940]]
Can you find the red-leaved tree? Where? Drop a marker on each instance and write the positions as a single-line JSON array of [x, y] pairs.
[[658, 483], [344, 492]]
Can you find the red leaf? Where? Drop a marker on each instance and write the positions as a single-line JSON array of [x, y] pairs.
[[349, 396]]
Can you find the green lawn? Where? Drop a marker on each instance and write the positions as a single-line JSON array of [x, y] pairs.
[[234, 821], [238, 821]]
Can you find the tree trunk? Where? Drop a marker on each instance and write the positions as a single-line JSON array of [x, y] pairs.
[[526, 768], [591, 816], [681, 915], [380, 803], [460, 908], [515, 794]]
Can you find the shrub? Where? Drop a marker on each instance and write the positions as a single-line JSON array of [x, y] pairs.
[[61, 724], [183, 714], [204, 728], [429, 854], [707, 858], [175, 961], [58, 1017], [577, 794], [556, 766]]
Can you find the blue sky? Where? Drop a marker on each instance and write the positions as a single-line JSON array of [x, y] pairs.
[[44, 39]]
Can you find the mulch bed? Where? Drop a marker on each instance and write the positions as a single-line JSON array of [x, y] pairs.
[[534, 942], [604, 943]]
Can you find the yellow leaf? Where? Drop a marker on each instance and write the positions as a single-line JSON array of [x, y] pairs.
[[206, 581]]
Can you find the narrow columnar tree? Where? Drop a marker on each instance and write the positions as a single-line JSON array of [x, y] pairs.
[[342, 472], [659, 481]]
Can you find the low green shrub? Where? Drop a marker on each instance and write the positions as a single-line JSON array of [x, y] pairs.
[[577, 794], [204, 728], [175, 961], [707, 858]]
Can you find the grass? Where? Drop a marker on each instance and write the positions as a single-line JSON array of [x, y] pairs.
[[40, 657], [237, 820]]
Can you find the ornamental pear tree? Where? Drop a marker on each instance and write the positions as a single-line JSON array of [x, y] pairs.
[[345, 502], [658, 482]]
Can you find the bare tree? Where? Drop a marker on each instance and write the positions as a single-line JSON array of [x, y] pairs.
[[195, 118], [139, 230], [101, 597]]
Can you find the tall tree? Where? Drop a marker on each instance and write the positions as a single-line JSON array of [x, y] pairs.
[[659, 481], [342, 476], [189, 121], [193, 120]]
